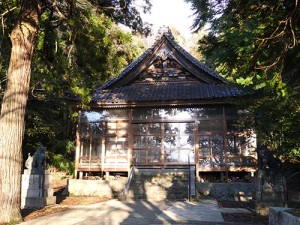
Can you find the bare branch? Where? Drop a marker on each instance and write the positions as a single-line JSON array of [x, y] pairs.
[[288, 28], [117, 8], [2, 23], [277, 35], [269, 66], [294, 35]]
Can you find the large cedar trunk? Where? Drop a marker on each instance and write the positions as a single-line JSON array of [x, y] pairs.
[[23, 38]]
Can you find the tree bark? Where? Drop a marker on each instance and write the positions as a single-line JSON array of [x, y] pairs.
[[23, 39]]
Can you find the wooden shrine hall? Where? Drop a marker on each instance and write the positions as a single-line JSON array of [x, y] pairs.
[[165, 110]]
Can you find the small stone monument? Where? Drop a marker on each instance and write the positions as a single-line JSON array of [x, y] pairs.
[[270, 184], [36, 189]]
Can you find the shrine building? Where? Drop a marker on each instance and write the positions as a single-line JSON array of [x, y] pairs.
[[165, 110]]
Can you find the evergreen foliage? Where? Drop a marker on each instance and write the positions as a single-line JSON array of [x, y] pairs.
[[256, 44], [79, 47], [251, 42], [99, 52]]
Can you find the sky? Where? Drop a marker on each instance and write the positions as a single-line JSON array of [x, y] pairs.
[[176, 13]]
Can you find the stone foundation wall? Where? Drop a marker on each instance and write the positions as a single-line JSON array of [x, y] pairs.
[[101, 188], [161, 184], [235, 191]]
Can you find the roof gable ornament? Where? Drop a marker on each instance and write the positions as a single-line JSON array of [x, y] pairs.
[[164, 69], [164, 30], [164, 54]]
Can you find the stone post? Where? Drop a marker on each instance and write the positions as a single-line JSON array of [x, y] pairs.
[[270, 190]]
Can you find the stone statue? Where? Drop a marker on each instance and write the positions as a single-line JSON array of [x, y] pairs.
[[36, 163], [28, 162], [39, 158], [267, 161]]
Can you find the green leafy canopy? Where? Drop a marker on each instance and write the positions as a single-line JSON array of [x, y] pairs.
[[256, 44]]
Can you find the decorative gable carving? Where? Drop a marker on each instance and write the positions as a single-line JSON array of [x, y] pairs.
[[165, 62], [165, 69]]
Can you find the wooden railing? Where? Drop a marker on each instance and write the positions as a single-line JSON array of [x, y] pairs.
[[115, 162], [232, 163], [93, 162], [98, 163]]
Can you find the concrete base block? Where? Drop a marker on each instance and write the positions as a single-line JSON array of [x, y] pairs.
[[280, 216], [36, 203], [36, 191], [101, 188]]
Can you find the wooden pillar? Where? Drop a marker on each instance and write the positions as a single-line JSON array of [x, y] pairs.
[[196, 145], [103, 148], [130, 141], [77, 150], [225, 142], [162, 148]]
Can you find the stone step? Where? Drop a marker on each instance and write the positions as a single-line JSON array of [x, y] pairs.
[[155, 197], [158, 191], [155, 180], [171, 196], [146, 195], [160, 177], [159, 186], [164, 194], [154, 186]]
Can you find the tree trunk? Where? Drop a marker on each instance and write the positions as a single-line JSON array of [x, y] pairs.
[[23, 39]]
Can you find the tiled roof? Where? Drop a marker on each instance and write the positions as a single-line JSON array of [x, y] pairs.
[[165, 92], [181, 91]]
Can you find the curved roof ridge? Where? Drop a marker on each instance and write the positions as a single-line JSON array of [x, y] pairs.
[[196, 61], [128, 68], [161, 32]]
